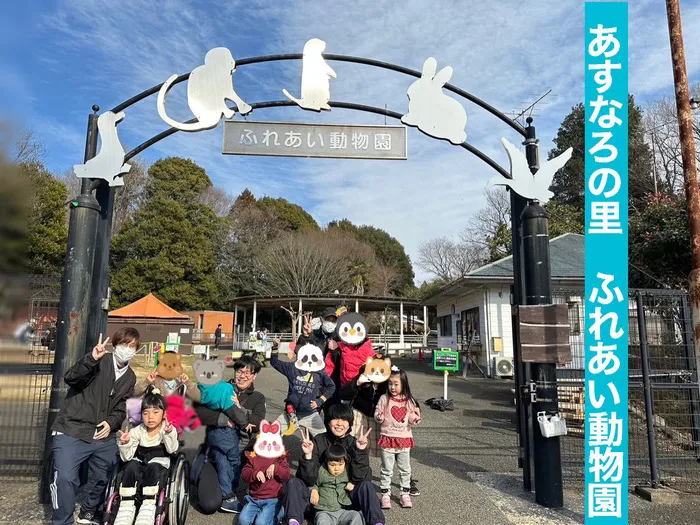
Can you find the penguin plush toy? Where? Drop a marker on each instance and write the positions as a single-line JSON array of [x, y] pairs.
[[354, 345]]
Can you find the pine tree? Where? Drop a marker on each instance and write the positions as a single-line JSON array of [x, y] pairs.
[[169, 247]]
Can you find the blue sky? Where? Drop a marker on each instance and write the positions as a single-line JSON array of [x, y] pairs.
[[60, 57]]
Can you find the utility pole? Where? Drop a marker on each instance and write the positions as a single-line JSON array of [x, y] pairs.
[[690, 171]]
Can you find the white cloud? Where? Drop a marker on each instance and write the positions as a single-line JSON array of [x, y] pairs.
[[507, 53]]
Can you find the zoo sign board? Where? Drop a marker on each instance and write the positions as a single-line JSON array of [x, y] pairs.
[[338, 141]]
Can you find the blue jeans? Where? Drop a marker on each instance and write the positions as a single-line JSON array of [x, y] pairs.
[[68, 454], [223, 442], [261, 512]]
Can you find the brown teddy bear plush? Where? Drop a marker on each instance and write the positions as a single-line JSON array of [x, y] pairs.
[[167, 377]]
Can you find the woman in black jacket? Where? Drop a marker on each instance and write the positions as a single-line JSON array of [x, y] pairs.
[[364, 497]]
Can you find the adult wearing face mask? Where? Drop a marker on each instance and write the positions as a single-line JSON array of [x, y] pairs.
[[323, 337], [85, 429]]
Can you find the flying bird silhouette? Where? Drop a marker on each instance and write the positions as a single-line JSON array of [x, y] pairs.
[[523, 182]]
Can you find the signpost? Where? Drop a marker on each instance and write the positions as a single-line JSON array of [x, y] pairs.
[[446, 360], [296, 139]]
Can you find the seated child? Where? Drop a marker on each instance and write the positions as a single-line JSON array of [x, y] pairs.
[[147, 448], [266, 470], [331, 496]]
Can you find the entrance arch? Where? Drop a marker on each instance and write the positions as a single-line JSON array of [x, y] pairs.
[[85, 290]]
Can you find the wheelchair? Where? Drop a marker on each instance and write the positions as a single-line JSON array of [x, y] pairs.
[[173, 501]]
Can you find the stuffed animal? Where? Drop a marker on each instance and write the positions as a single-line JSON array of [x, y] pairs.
[[181, 414], [354, 345]]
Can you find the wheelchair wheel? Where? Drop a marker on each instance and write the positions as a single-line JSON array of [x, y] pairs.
[[112, 495], [179, 491]]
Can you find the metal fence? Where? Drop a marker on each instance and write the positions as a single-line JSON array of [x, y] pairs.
[[664, 448], [25, 375]]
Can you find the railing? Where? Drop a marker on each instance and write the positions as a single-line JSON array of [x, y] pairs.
[[393, 341]]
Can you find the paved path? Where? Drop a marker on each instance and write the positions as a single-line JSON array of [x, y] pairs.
[[464, 462]]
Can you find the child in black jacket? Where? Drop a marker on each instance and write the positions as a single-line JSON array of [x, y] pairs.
[[309, 388]]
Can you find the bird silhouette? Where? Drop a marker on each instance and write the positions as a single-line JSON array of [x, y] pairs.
[[523, 182]]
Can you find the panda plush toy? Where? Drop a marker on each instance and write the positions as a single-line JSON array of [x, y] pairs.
[[354, 346]]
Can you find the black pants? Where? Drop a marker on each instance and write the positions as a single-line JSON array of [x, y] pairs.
[[144, 475], [364, 499]]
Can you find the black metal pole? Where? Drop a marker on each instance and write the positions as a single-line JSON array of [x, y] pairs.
[[520, 369], [648, 398], [549, 490], [99, 300], [74, 305]]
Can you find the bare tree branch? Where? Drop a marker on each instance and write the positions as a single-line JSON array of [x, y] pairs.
[[218, 200], [448, 260], [435, 257], [28, 148], [382, 280]]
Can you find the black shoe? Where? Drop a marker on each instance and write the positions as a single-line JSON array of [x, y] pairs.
[[88, 517], [414, 489]]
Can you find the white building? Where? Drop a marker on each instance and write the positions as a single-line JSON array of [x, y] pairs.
[[477, 308]]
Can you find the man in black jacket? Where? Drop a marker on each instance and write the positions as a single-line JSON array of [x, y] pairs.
[[245, 415], [364, 497], [85, 429]]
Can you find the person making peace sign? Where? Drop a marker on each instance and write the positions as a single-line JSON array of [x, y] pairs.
[[297, 497], [146, 449], [94, 409]]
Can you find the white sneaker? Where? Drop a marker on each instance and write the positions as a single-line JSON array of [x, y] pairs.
[[127, 509], [147, 512], [125, 515]]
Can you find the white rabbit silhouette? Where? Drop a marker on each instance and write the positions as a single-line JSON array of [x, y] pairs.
[[430, 110]]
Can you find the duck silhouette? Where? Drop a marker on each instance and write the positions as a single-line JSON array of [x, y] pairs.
[[523, 182]]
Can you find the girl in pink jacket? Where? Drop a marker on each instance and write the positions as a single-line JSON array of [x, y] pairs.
[[397, 411]]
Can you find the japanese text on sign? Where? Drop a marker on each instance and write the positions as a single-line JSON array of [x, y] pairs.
[[606, 336], [314, 140]]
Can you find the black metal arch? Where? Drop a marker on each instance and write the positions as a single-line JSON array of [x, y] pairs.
[[345, 105], [342, 105], [340, 58]]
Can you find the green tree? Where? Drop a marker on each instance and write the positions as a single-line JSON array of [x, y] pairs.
[[389, 251], [291, 216], [47, 230], [563, 218], [427, 288], [659, 243], [170, 246], [568, 185]]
